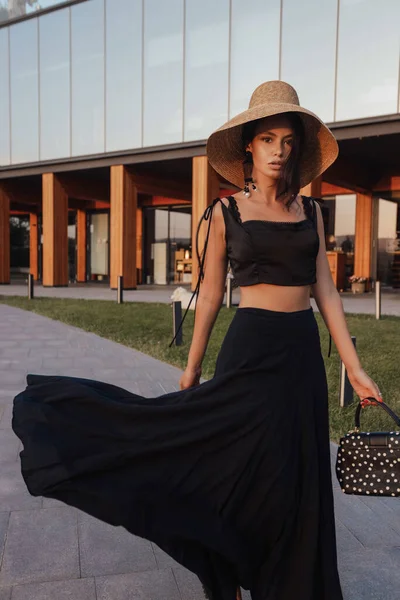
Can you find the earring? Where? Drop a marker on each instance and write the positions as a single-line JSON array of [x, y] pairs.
[[247, 171]]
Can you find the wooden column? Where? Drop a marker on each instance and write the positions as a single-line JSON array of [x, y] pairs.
[[33, 246], [4, 236], [363, 235], [81, 234], [123, 227], [313, 188], [205, 189], [55, 232], [139, 243]]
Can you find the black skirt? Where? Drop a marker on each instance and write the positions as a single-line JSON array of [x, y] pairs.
[[232, 477]]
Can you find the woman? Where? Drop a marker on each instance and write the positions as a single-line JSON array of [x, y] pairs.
[[230, 477]]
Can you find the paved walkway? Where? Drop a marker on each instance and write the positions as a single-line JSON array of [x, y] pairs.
[[49, 551], [352, 303]]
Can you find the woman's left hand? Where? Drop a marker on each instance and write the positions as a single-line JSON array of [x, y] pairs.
[[364, 386]]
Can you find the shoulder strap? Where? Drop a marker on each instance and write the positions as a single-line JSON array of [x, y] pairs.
[[234, 208], [207, 216]]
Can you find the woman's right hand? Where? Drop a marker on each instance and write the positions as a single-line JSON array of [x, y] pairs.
[[190, 378]]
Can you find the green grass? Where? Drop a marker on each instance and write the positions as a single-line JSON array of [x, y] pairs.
[[148, 327]]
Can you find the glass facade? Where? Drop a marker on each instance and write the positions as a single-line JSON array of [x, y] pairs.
[[163, 72], [16, 9], [104, 76], [206, 67], [4, 99], [55, 85], [124, 38], [388, 243], [24, 94], [339, 215], [368, 66]]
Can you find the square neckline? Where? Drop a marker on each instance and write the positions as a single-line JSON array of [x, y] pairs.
[[235, 210]]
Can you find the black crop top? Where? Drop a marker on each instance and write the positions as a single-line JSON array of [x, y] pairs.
[[275, 252]]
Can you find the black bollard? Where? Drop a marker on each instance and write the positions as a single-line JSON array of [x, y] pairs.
[[378, 299], [30, 286], [345, 387], [120, 289], [176, 321], [228, 292]]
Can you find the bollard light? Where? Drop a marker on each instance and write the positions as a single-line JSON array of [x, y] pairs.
[[345, 387], [228, 292], [30, 286], [378, 300], [176, 321], [120, 289]]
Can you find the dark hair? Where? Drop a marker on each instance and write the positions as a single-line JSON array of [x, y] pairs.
[[289, 183]]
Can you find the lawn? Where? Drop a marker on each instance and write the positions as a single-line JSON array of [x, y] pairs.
[[148, 327]]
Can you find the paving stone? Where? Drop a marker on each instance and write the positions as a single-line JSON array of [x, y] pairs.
[[8, 377], [188, 584], [153, 585], [4, 519], [9, 446], [57, 363], [13, 492], [6, 416], [75, 589], [364, 523], [369, 578], [41, 546], [5, 593], [105, 549]]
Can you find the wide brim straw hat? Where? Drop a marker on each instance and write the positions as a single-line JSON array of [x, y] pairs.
[[225, 149]]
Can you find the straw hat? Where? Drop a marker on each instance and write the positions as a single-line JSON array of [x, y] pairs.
[[225, 146]]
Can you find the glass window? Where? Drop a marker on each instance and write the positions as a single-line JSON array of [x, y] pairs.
[[368, 64], [388, 263], [24, 92], [54, 53], [206, 67], [309, 51], [14, 9], [4, 99], [123, 74], [255, 31], [339, 216], [87, 48], [163, 72]]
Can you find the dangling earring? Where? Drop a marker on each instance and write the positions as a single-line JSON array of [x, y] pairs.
[[247, 171]]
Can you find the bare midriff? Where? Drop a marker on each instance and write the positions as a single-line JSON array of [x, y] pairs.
[[275, 297]]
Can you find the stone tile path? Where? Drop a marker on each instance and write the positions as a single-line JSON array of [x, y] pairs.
[[49, 551]]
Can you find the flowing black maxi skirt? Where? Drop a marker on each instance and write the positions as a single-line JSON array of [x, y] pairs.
[[232, 477]]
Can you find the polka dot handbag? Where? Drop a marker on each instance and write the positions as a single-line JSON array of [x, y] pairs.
[[368, 463]]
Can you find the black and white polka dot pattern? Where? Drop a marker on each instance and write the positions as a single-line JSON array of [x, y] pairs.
[[368, 463]]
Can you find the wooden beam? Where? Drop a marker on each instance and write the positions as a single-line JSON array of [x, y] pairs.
[[363, 236], [313, 188], [352, 175], [85, 188], [33, 246], [162, 186], [205, 189], [330, 189], [55, 232], [23, 192], [81, 234], [163, 201], [4, 236], [388, 183], [123, 227]]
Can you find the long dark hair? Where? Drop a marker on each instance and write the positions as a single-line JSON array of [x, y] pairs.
[[289, 182]]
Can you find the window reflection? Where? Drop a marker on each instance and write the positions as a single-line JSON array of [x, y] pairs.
[[368, 68], [388, 264], [4, 100], [13, 9], [24, 92], [339, 215], [206, 67]]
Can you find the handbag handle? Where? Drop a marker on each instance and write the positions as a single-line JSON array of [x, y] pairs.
[[377, 403]]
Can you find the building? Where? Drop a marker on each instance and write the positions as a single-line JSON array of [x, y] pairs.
[[105, 107]]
